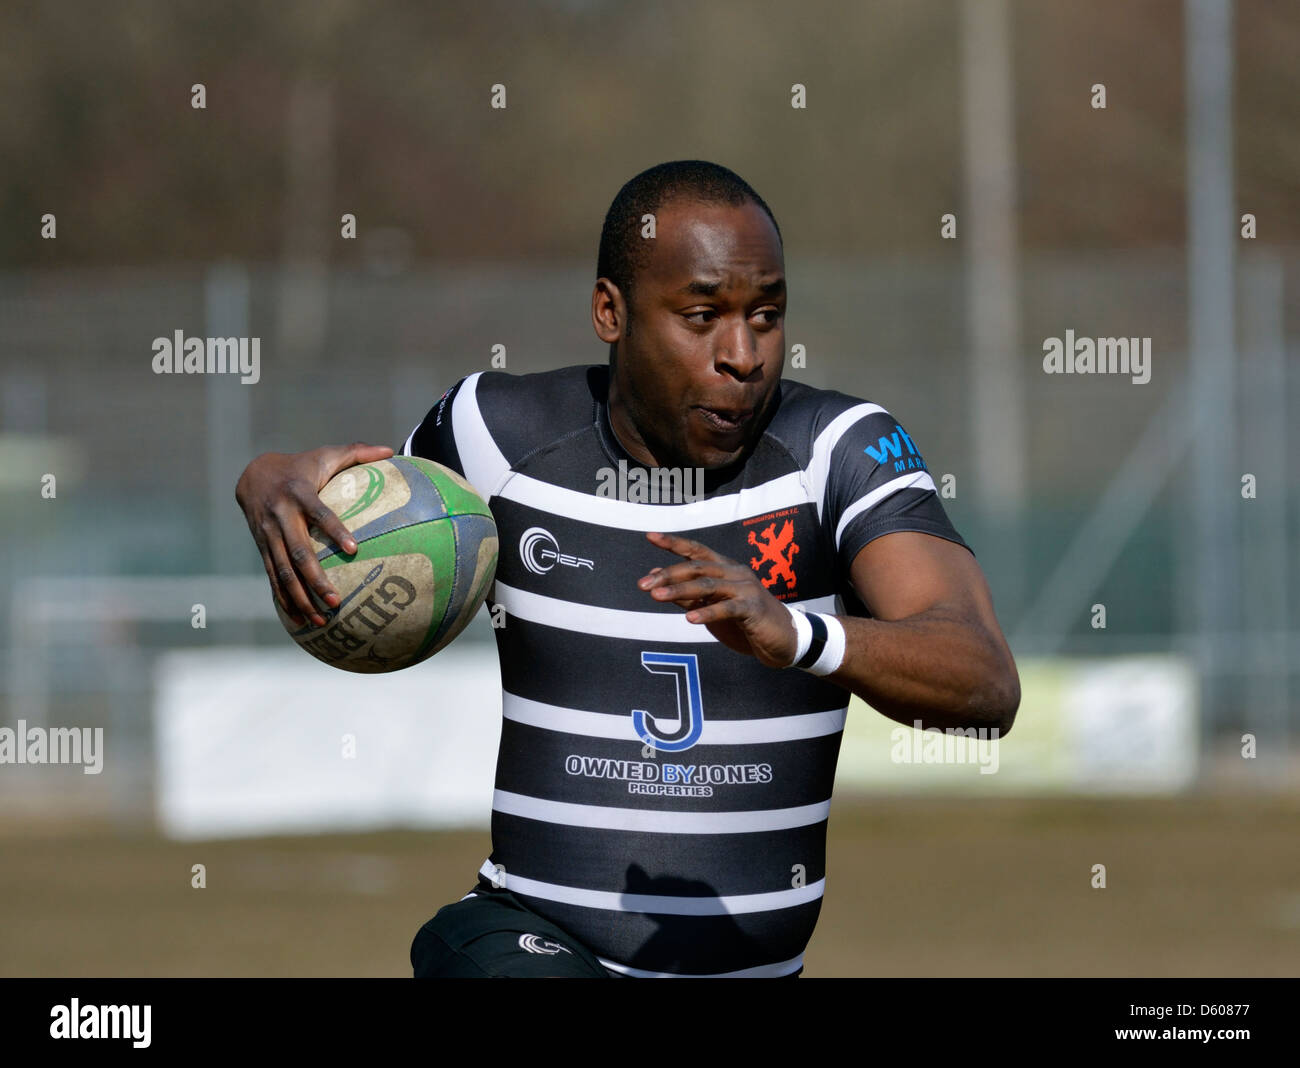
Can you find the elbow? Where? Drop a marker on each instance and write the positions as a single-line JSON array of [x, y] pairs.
[[1000, 692], [993, 702], [1005, 699]]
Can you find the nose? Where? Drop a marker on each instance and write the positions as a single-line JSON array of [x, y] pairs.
[[737, 352]]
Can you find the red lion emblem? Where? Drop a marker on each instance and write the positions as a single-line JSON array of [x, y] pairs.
[[777, 550]]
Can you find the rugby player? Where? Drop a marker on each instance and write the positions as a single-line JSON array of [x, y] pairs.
[[676, 673]]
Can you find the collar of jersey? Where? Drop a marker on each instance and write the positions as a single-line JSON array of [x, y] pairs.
[[613, 448]]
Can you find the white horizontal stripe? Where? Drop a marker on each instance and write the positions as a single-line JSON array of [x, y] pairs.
[[820, 464], [762, 971], [655, 904], [589, 619], [783, 492], [916, 480], [616, 622], [484, 464], [488, 471], [716, 732], [657, 821]]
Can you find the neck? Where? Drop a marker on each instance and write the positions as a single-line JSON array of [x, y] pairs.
[[625, 430]]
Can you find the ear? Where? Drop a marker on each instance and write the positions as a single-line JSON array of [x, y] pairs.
[[609, 312]]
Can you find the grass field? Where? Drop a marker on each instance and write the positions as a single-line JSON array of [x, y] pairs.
[[1195, 887]]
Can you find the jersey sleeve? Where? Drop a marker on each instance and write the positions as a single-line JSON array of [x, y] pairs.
[[878, 483], [435, 438]]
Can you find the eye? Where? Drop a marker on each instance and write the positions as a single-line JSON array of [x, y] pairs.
[[692, 315]]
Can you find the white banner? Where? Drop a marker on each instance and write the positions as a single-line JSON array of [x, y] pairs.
[[251, 741]]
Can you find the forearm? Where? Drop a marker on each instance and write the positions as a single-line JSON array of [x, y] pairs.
[[943, 671]]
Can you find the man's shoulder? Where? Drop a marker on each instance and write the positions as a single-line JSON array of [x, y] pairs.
[[524, 411], [807, 413], [577, 381]]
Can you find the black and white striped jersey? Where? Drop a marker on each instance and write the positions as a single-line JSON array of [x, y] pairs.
[[659, 796]]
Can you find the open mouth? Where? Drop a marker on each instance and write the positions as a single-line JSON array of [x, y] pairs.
[[726, 420]]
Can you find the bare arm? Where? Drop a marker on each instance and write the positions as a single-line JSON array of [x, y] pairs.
[[934, 651]]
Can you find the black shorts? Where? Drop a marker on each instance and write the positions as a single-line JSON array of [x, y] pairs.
[[490, 935]]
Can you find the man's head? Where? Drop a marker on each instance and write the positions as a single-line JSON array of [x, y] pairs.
[[695, 315]]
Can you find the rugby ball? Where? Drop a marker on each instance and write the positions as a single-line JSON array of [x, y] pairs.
[[426, 555]]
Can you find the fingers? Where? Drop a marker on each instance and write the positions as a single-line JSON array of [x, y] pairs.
[[703, 577], [732, 608], [335, 458], [265, 532], [291, 590], [320, 516], [302, 555], [702, 560], [662, 577], [278, 494], [704, 589], [692, 550], [330, 460], [294, 557], [725, 596], [269, 565]]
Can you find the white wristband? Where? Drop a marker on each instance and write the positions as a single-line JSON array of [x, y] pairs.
[[820, 637], [803, 634], [836, 643]]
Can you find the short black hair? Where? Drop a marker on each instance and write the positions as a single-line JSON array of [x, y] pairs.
[[623, 251]]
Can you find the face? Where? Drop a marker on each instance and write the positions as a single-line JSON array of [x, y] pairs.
[[695, 377]]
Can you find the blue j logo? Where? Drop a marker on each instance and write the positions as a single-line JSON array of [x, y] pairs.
[[690, 708]]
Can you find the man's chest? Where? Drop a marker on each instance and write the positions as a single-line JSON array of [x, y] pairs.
[[594, 554]]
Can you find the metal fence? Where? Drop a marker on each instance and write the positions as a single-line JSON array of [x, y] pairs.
[[101, 575]]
